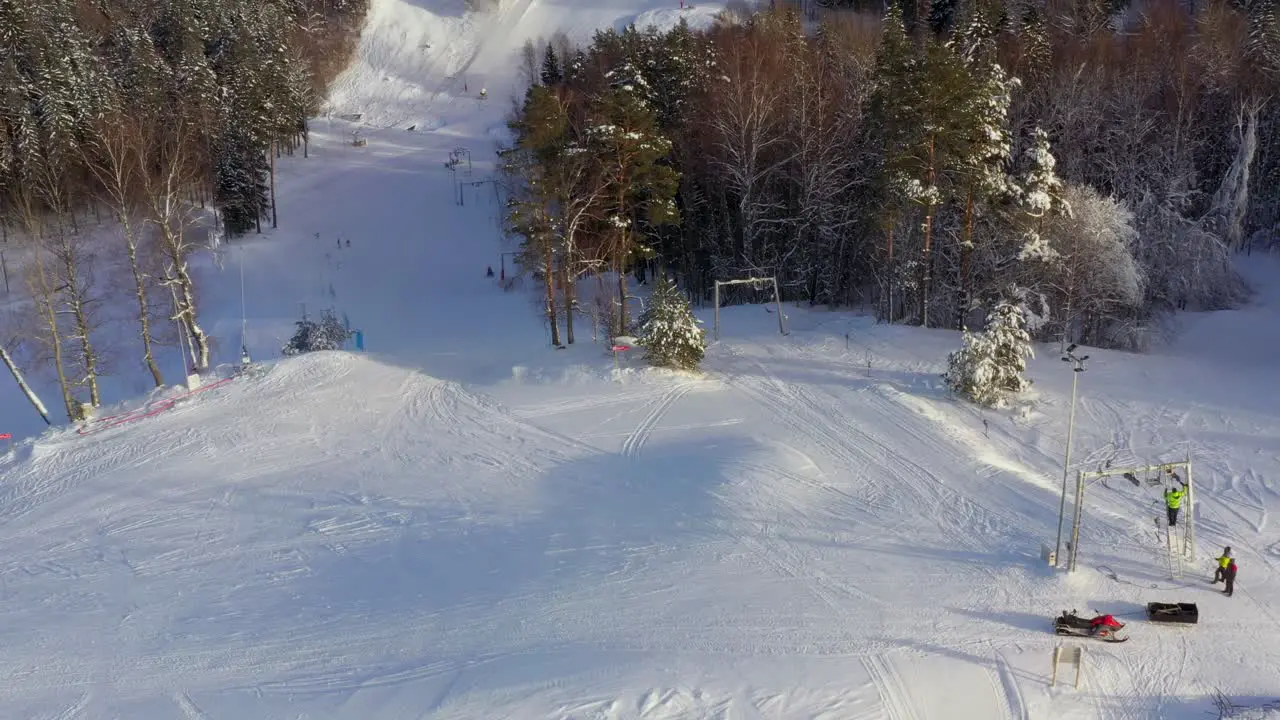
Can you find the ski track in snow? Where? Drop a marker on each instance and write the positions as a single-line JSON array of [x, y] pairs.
[[75, 711], [1007, 684], [189, 708], [564, 407], [636, 440], [864, 450], [896, 696]]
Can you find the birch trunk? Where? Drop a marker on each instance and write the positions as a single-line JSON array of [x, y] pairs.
[[118, 146], [77, 303], [181, 279], [144, 309], [1231, 201], [46, 303]]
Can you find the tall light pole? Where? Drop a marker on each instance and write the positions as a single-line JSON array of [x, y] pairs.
[[1078, 368]]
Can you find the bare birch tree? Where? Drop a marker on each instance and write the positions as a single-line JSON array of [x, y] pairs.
[[169, 169], [116, 163], [45, 295], [748, 125], [69, 281]]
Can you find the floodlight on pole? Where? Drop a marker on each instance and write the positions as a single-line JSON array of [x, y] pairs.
[[1078, 362]]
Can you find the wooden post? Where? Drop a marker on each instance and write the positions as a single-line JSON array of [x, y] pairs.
[[777, 300], [717, 324], [1073, 655]]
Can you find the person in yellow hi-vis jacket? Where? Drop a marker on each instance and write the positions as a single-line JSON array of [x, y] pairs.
[[1173, 500], [1220, 572]]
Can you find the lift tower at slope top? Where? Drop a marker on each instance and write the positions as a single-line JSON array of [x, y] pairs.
[[1178, 552]]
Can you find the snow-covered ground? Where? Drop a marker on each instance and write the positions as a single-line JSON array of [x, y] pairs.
[[464, 523]]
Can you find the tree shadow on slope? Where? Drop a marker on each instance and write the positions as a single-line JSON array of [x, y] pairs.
[[1042, 624], [589, 522]]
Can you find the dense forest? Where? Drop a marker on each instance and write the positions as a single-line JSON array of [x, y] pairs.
[[144, 117], [1098, 165]]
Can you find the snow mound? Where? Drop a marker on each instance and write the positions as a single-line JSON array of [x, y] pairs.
[[410, 62], [699, 17], [434, 64]]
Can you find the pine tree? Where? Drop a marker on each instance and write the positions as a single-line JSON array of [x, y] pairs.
[[1011, 346], [551, 73], [1041, 190], [240, 183], [680, 66], [642, 187], [990, 365], [669, 332], [1039, 194], [542, 139], [980, 173]]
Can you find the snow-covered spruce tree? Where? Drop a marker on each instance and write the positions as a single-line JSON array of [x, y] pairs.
[[991, 364], [669, 332], [312, 336], [984, 148], [551, 73]]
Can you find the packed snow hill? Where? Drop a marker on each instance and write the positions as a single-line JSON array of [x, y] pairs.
[[459, 522]]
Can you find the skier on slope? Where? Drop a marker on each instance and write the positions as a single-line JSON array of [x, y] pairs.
[[1230, 576], [1173, 499], [1220, 572], [489, 271]]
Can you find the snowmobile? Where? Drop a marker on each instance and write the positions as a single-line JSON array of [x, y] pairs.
[[1101, 627]]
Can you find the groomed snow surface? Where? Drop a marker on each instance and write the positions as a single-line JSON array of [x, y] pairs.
[[464, 523]]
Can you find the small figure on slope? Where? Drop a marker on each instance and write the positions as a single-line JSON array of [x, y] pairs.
[[1173, 499], [1230, 576], [489, 271], [1220, 572]]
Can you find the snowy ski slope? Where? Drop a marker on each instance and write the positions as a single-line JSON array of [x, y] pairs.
[[464, 523]]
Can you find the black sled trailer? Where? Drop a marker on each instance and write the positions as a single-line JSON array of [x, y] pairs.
[[1182, 613]]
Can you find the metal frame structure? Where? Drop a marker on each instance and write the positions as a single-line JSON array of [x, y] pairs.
[[756, 281], [1068, 356], [456, 156], [1083, 479]]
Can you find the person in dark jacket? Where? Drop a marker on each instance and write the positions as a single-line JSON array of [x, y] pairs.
[[1230, 576], [1223, 562]]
